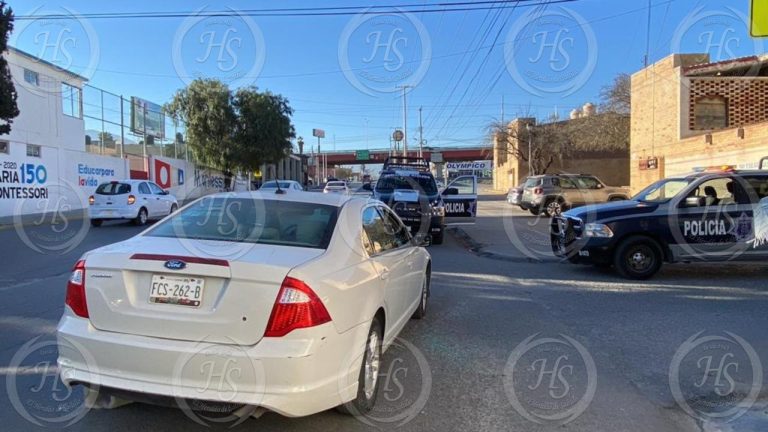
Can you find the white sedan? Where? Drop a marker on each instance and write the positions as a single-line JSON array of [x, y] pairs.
[[137, 200], [300, 292], [284, 184]]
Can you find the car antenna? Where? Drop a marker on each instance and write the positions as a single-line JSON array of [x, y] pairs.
[[278, 191]]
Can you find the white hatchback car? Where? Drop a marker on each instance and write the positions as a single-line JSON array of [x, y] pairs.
[[301, 292], [138, 200]]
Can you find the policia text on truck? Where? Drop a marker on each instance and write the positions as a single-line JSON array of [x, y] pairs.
[[715, 214]]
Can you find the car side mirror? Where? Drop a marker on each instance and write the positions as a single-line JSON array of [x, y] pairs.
[[451, 191], [695, 201]]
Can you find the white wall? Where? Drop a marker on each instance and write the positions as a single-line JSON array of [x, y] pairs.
[[184, 179]]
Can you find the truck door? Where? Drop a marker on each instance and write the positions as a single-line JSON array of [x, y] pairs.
[[460, 200]]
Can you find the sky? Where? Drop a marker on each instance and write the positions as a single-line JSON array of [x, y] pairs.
[[344, 73]]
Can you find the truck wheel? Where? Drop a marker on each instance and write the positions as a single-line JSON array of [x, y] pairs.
[[437, 239], [638, 258], [534, 211]]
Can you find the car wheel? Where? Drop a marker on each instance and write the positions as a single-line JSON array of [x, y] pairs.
[[437, 239], [368, 381], [174, 207], [421, 311], [142, 217], [102, 400], [638, 258], [553, 207], [96, 222]]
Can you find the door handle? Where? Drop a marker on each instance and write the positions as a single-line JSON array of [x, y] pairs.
[[384, 275]]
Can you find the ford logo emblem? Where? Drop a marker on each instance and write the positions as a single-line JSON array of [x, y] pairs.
[[175, 265]]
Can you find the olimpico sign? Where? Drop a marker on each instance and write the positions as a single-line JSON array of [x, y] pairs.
[[468, 166]]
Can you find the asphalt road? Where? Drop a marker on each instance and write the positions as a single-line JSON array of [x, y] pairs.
[[505, 347]]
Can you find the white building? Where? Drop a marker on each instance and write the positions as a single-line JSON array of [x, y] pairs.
[[43, 162]]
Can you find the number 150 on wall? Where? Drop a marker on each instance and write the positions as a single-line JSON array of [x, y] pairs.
[[31, 173]]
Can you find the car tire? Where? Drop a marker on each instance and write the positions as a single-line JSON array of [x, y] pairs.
[[421, 311], [638, 258], [437, 239], [534, 211], [96, 222], [174, 207], [99, 399], [369, 370], [141, 217], [554, 207]]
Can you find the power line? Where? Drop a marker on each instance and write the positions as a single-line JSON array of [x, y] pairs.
[[293, 12]]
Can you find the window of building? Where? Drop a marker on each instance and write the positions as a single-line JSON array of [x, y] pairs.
[[33, 150], [31, 77], [71, 97], [5, 148], [710, 112]]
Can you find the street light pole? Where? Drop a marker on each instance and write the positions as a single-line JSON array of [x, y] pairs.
[[530, 149], [421, 136], [405, 119]]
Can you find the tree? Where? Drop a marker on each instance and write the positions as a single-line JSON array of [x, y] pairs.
[[617, 96], [107, 139], [8, 108], [344, 173], [205, 108], [263, 130]]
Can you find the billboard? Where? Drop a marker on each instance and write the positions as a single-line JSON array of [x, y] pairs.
[[469, 166], [147, 116]]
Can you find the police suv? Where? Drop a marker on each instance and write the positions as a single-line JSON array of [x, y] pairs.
[[715, 214], [408, 187]]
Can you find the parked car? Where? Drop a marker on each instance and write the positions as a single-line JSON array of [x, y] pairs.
[[138, 200], [284, 184], [552, 194], [321, 286], [515, 194], [339, 187]]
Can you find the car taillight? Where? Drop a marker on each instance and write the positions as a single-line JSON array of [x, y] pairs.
[[296, 307], [76, 290], [131, 199], [538, 191], [91, 200]]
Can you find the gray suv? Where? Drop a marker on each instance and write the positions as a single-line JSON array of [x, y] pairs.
[[554, 193]]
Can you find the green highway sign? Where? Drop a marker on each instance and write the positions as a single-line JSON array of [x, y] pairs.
[[362, 155]]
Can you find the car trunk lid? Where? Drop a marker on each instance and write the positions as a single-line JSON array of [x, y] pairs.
[[237, 293]]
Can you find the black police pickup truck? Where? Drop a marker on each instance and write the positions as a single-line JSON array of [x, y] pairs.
[[408, 187], [715, 214]]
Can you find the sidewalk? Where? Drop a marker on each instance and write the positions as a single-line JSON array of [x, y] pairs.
[[505, 232]]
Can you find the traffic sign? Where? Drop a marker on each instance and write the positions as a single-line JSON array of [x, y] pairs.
[[758, 20], [398, 135], [362, 155]]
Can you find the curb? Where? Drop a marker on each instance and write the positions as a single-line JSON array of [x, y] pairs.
[[477, 248]]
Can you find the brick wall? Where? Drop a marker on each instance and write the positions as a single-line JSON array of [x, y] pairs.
[[661, 121], [747, 98]]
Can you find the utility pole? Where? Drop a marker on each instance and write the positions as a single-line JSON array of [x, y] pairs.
[[405, 119], [421, 136]]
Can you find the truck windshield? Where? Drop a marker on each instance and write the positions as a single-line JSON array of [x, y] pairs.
[[662, 191], [423, 183]]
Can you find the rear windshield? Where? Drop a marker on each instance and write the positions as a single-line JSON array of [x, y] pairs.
[[531, 182], [252, 221], [273, 185], [113, 189], [424, 183]]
